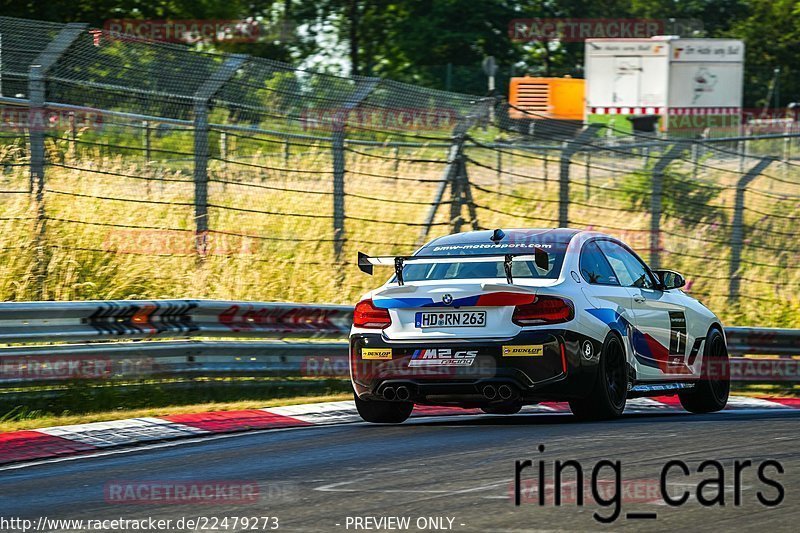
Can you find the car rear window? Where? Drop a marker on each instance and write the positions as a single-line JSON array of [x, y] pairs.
[[520, 269]]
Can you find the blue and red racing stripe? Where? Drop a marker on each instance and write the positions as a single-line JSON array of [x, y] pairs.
[[492, 299], [646, 348]]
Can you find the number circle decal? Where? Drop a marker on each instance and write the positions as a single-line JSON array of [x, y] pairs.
[[587, 350]]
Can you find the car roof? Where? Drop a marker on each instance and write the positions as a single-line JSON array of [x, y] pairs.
[[558, 236]]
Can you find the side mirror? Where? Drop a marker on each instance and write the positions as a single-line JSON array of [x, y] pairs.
[[670, 279]]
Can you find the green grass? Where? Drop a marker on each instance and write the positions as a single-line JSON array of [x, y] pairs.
[[24, 418], [86, 401]]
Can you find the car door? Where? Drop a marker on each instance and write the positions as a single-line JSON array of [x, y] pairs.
[[660, 338], [611, 303]]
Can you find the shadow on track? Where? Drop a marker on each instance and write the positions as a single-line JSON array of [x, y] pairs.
[[540, 419]]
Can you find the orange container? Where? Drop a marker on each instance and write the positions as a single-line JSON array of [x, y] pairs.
[[547, 98]]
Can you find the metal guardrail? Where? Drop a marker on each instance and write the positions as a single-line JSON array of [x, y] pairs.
[[153, 339], [27, 322], [763, 341]]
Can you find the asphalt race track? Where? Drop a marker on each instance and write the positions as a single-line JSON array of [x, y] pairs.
[[460, 468]]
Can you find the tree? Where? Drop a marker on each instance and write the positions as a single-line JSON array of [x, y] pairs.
[[771, 32], [716, 16], [414, 40]]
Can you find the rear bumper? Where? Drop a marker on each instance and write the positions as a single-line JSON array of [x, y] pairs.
[[535, 365]]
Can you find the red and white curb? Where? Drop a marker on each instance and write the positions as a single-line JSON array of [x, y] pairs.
[[60, 441]]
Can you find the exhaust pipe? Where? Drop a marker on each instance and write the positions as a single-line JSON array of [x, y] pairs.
[[403, 393], [489, 392], [389, 393], [505, 392]]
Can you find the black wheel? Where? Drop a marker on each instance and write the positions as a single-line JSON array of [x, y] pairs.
[[710, 394], [381, 412], [502, 409], [607, 399]]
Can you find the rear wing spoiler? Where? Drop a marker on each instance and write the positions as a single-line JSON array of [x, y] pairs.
[[366, 263]]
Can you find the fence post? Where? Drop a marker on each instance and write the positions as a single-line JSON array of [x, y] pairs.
[[37, 81], [461, 195], [568, 150], [657, 189], [737, 230], [499, 169], [588, 172], [73, 136], [37, 76], [448, 177], [742, 155], [466, 195], [36, 90], [456, 194], [786, 140], [223, 151], [546, 166], [146, 140], [202, 97], [451, 170], [337, 146], [201, 155]]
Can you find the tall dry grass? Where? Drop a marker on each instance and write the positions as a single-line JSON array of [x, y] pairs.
[[271, 222]]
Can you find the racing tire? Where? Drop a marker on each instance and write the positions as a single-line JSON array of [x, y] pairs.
[[610, 391], [381, 412], [710, 394], [504, 409]]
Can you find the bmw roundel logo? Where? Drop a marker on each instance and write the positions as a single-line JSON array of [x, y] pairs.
[[447, 299]]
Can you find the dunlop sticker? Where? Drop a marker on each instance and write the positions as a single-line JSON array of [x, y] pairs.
[[536, 350], [376, 353]]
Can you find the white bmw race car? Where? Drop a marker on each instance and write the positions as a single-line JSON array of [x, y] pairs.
[[500, 319]]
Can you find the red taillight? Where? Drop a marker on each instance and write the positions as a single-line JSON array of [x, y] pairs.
[[366, 315], [544, 310]]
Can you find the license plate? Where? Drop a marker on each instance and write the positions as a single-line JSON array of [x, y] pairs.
[[451, 319]]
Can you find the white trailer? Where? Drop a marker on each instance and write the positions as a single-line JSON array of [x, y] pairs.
[[692, 84]]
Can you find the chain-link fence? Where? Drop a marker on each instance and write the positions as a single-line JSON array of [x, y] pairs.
[[139, 169]]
